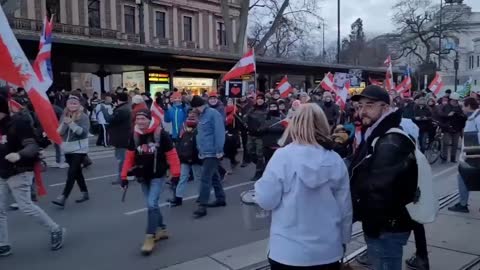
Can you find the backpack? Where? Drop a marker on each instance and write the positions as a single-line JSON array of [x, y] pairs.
[[186, 148], [425, 207]]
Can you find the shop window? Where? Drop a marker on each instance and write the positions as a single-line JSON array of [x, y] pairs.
[[160, 24], [221, 34], [53, 8], [94, 13], [187, 28], [129, 15]]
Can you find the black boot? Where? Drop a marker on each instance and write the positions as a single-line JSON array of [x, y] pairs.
[[200, 212], [257, 176], [175, 201], [84, 198]]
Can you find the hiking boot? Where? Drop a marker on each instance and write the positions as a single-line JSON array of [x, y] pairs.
[[84, 198], [364, 260], [60, 201], [57, 238], [161, 234], [148, 244], [175, 201], [417, 263], [459, 208], [200, 212], [5, 251], [216, 204]]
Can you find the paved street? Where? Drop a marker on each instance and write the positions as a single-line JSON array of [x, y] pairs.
[[106, 234]]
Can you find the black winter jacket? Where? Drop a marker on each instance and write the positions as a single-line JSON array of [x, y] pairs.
[[272, 131], [17, 136], [382, 184], [255, 120], [120, 126]]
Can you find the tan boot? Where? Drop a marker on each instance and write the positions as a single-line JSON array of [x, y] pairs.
[[148, 245], [161, 234]]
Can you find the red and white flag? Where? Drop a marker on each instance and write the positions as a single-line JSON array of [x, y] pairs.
[[389, 84], [16, 69], [327, 82], [405, 85], [374, 82], [284, 87], [14, 106], [157, 112], [437, 84], [342, 94], [245, 66]]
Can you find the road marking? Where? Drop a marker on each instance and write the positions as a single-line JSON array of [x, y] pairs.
[[444, 171], [88, 179], [186, 199]]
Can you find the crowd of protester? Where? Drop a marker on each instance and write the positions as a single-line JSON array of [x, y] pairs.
[[277, 134]]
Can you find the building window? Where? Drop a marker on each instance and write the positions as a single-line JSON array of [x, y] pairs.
[[94, 13], [160, 23], [187, 28], [53, 9], [129, 13], [478, 61], [221, 34], [475, 82]]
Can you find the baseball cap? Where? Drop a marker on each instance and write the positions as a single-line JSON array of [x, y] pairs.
[[373, 92]]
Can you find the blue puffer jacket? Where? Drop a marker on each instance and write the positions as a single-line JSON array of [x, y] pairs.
[[177, 115], [210, 133]]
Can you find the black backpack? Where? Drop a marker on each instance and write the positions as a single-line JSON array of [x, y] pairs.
[[186, 147]]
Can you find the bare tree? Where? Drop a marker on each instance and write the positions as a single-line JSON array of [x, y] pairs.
[[266, 17], [421, 24]]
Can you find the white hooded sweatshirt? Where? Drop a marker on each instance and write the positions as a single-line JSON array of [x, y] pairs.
[[308, 190]]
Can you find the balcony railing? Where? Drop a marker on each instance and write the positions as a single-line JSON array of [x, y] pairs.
[[75, 30]]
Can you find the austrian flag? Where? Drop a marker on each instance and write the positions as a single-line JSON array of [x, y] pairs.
[[284, 87], [327, 82], [245, 66], [16, 69]]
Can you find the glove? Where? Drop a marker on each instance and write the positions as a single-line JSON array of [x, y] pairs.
[[12, 157], [124, 183]]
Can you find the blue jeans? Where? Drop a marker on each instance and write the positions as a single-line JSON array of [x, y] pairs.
[[59, 156], [463, 191], [120, 157], [210, 177], [151, 191], [386, 251], [185, 174]]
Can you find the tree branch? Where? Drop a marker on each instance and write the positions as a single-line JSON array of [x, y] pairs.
[[275, 24]]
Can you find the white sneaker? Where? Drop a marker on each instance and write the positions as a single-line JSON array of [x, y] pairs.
[[62, 165], [14, 206]]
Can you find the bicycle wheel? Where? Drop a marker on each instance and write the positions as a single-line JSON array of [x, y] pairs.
[[433, 151]]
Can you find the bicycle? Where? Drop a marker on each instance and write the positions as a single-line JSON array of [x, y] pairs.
[[433, 148]]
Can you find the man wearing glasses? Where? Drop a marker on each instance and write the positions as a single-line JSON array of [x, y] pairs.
[[383, 179]]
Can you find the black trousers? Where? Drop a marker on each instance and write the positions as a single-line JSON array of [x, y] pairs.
[[74, 173], [103, 138], [278, 266], [420, 240], [246, 156], [268, 153]]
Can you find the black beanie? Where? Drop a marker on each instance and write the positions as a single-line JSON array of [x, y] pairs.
[[197, 102]]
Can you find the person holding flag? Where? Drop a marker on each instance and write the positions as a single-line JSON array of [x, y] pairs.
[[18, 154]]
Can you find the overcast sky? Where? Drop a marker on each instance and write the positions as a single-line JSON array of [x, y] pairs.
[[376, 15]]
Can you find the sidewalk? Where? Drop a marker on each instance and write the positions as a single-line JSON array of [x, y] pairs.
[[454, 244]]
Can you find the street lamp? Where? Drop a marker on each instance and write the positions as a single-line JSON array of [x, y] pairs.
[[338, 32], [440, 37], [455, 66]]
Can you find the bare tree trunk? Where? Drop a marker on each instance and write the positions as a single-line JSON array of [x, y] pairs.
[[242, 26], [228, 24], [275, 24]]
